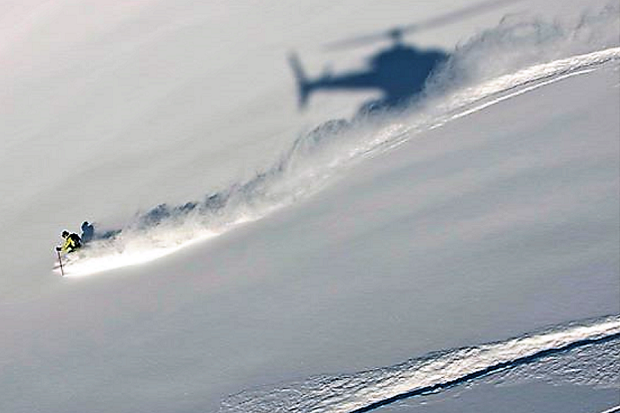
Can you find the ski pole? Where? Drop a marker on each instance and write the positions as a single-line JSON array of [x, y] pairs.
[[62, 271]]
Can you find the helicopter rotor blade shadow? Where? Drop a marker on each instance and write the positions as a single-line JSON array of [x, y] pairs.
[[429, 24]]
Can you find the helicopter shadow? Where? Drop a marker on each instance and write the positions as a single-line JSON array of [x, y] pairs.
[[399, 73]]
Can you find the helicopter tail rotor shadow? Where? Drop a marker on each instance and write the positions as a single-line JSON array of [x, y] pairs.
[[304, 86]]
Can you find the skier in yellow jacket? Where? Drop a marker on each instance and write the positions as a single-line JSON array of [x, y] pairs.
[[72, 243]]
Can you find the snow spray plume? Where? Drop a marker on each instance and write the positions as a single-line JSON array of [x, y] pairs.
[[301, 171], [466, 84], [520, 41]]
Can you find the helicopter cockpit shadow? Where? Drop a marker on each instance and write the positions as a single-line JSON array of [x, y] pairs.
[[399, 72]]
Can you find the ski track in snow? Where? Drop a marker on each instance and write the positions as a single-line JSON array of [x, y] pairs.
[[307, 167], [368, 390]]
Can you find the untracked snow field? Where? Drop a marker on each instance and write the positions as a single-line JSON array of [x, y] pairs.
[[282, 238]]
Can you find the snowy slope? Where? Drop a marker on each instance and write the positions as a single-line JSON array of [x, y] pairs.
[[485, 213]]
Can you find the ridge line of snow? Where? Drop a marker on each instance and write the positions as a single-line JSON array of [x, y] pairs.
[[368, 390]]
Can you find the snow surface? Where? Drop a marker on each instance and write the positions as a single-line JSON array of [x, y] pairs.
[[269, 261]]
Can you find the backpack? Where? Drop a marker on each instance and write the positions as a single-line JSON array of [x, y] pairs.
[[76, 241]]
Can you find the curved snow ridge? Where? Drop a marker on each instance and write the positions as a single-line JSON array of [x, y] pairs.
[[536, 75], [371, 389], [313, 160], [441, 108], [592, 366]]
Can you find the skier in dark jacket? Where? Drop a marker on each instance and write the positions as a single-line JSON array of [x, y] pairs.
[[88, 232], [73, 242]]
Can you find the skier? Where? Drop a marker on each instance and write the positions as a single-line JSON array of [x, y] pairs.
[[88, 232], [73, 242]]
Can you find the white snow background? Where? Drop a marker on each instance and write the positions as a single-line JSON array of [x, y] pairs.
[[459, 256]]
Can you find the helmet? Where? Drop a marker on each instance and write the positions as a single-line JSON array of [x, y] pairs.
[[65, 234]]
